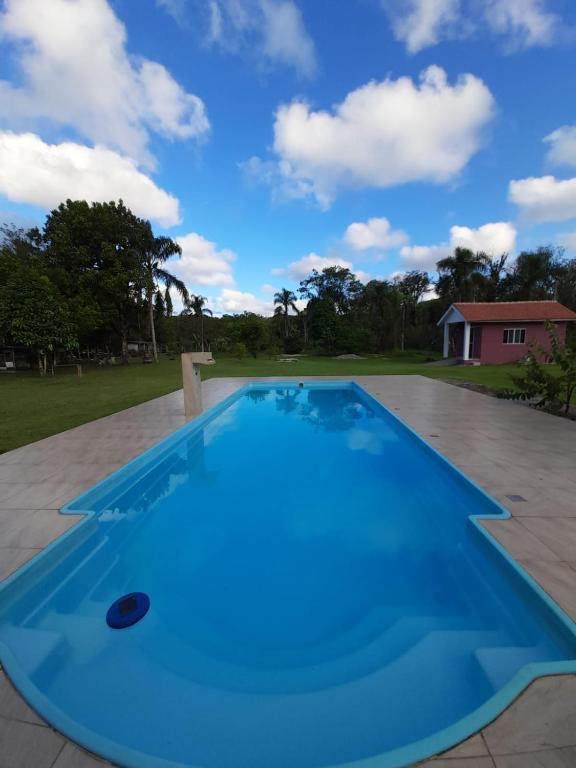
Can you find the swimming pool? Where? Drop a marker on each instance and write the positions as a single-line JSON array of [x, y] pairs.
[[319, 596]]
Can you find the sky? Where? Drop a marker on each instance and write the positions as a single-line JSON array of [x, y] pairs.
[[270, 137]]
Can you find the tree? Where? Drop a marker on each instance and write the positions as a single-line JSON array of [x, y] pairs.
[[196, 305], [461, 276], [94, 255], [32, 312], [157, 251], [284, 301], [535, 275], [335, 284], [412, 286]]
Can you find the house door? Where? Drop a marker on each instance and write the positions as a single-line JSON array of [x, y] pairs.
[[474, 347]]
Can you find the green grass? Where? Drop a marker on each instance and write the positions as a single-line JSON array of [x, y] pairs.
[[32, 407]]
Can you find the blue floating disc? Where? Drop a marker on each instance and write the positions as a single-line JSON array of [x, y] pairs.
[[127, 610]]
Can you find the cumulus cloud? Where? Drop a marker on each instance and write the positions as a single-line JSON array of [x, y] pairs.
[[544, 198], [493, 239], [383, 134], [518, 23], [522, 23], [374, 233], [421, 23], [423, 256], [231, 301], [562, 143], [37, 173], [74, 70], [202, 263], [270, 31], [298, 270]]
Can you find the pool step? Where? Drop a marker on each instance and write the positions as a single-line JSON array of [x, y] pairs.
[[500, 664], [39, 647]]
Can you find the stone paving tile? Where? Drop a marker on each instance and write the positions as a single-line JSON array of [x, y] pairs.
[[13, 706], [462, 762], [23, 745], [550, 758], [33, 529], [543, 717], [559, 534], [557, 579], [75, 757], [11, 559], [518, 541], [472, 747]]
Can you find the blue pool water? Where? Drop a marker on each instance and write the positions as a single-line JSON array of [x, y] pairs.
[[319, 596]]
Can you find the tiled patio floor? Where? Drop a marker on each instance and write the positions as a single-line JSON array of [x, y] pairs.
[[506, 448]]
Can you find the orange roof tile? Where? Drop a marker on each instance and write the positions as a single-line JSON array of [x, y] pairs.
[[514, 311]]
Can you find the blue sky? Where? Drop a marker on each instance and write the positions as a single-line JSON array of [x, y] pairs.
[[273, 136]]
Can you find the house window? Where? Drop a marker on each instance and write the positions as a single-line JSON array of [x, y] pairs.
[[514, 336]]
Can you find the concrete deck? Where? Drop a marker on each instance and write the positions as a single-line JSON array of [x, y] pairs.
[[506, 448]]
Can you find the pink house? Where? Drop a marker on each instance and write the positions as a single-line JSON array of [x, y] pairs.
[[500, 331]]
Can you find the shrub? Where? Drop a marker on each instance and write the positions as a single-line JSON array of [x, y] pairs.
[[550, 391], [239, 350]]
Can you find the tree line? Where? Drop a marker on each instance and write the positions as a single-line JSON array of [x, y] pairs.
[[95, 276]]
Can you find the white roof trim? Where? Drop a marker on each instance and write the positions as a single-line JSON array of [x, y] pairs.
[[452, 315]]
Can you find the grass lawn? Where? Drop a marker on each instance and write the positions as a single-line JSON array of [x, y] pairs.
[[32, 408]]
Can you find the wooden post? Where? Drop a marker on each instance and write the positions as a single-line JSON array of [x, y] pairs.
[[191, 381]]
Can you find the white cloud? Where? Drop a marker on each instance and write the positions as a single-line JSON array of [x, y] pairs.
[[298, 270], [74, 70], [567, 240], [202, 263], [545, 198], [272, 31], [523, 23], [562, 146], [421, 23], [519, 23], [37, 173], [493, 239], [232, 302], [423, 256], [382, 134], [374, 233], [268, 289]]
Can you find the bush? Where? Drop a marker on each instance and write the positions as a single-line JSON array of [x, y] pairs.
[[292, 345], [239, 350], [550, 391]]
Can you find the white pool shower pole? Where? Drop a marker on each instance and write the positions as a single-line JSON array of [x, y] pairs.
[[191, 381]]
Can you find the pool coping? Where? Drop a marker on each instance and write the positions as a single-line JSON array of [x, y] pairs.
[[542, 670]]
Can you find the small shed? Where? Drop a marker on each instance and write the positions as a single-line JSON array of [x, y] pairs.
[[500, 331]]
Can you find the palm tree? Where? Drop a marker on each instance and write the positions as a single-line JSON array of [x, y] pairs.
[[462, 275], [196, 305], [284, 301], [158, 251]]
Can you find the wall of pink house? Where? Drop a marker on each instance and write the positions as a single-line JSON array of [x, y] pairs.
[[493, 349]]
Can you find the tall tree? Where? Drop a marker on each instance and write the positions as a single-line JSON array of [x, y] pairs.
[[196, 306], [338, 285], [94, 253], [461, 276], [535, 274], [284, 301], [32, 311], [157, 251]]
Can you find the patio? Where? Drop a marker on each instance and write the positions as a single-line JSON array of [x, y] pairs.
[[523, 458]]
